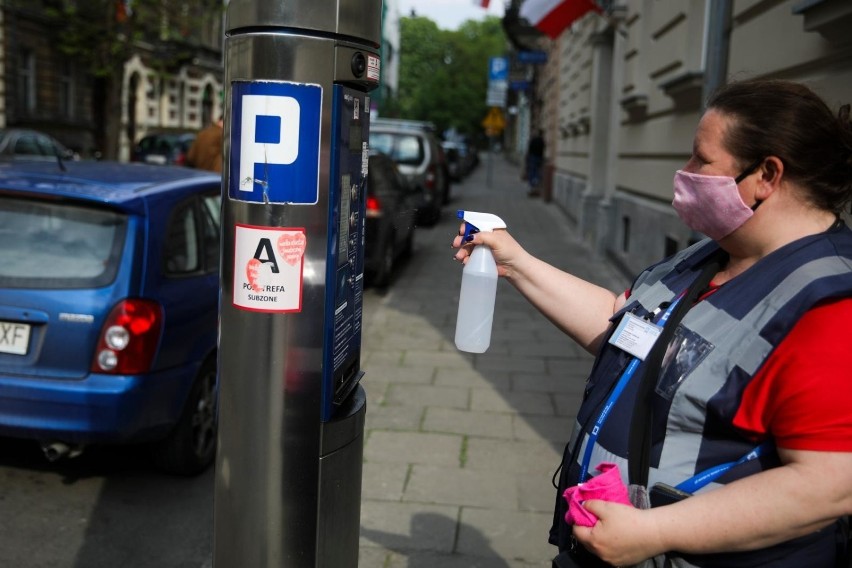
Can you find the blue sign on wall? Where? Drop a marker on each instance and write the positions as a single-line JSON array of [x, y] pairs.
[[532, 57], [275, 142], [498, 69]]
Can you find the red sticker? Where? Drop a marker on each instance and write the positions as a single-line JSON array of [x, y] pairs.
[[291, 247]]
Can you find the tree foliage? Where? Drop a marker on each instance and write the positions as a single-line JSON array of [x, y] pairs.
[[444, 74]]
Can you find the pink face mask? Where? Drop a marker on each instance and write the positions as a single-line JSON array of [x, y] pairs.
[[710, 204]]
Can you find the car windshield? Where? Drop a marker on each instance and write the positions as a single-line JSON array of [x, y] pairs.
[[58, 245], [402, 148]]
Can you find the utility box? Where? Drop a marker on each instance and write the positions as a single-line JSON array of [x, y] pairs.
[[291, 410]]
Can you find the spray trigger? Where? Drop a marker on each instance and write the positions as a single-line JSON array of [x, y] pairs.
[[468, 231]]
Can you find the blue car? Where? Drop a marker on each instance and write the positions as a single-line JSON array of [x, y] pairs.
[[109, 308]]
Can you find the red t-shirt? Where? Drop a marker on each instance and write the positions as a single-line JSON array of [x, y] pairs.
[[802, 395]]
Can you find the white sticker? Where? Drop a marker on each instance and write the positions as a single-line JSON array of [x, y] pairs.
[[268, 264], [635, 335], [373, 67]]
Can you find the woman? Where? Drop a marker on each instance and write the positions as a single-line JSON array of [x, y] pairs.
[[756, 375]]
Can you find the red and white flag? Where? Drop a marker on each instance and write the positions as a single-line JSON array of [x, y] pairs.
[[553, 16]]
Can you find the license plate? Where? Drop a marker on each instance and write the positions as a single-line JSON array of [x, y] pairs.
[[14, 337]]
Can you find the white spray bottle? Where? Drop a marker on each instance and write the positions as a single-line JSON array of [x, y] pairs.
[[478, 288]]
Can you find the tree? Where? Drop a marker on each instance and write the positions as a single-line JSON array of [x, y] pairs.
[[444, 74], [102, 35]]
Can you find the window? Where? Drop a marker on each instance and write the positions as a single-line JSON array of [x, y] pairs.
[[66, 88], [57, 245], [27, 80], [192, 237], [181, 245]]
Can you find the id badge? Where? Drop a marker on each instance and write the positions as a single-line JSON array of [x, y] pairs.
[[635, 335]]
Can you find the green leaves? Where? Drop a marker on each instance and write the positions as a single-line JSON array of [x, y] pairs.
[[444, 74]]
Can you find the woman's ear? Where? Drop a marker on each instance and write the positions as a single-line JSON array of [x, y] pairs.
[[771, 176], [772, 170]]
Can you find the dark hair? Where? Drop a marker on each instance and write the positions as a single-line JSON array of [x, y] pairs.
[[788, 120]]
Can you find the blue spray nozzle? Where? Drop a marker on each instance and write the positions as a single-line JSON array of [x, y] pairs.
[[475, 222]]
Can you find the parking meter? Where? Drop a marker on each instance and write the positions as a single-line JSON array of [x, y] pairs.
[[291, 411]]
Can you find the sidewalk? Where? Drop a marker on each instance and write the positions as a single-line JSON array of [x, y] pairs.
[[459, 448]]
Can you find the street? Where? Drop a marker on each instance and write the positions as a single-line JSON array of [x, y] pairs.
[[459, 449]]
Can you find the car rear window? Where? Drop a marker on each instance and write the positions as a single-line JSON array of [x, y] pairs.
[[402, 148], [58, 245]]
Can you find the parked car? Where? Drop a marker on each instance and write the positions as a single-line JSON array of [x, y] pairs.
[[390, 219], [22, 144], [415, 149], [459, 159], [163, 149], [108, 308]]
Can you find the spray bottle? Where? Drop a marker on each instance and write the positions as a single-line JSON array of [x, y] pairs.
[[478, 288]]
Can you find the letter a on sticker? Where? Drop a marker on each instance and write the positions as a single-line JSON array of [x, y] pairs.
[[265, 246]]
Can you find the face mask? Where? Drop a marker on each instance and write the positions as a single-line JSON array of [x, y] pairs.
[[711, 204]]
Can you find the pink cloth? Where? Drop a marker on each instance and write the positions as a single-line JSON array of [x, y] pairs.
[[607, 486]]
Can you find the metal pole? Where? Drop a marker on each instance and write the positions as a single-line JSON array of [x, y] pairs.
[[291, 412]]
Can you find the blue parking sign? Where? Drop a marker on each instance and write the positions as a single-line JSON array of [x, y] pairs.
[[498, 69], [275, 142]]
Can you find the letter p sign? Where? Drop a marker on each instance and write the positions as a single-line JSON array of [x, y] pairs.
[[275, 135]]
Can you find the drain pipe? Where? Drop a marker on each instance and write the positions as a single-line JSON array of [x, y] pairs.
[[719, 24]]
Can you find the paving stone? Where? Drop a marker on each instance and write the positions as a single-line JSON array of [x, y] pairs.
[[408, 526], [508, 401], [472, 378], [419, 395], [455, 486], [528, 457], [532, 427], [403, 418], [544, 382], [483, 424], [383, 481], [514, 535], [437, 359], [413, 447]]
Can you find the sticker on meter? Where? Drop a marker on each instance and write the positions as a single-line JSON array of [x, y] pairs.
[[275, 142], [268, 266]]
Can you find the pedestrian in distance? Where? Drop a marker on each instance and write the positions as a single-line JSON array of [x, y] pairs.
[[207, 148], [534, 162], [738, 416]]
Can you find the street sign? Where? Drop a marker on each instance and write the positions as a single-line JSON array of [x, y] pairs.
[[498, 69], [494, 123]]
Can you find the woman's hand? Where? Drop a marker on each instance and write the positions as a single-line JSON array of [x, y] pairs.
[[623, 534], [504, 247]]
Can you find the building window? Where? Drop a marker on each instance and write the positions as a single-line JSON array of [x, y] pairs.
[[66, 88], [27, 80], [625, 234]]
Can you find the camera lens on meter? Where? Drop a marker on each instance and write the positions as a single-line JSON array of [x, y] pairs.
[[359, 64]]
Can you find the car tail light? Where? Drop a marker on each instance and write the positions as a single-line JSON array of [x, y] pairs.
[[180, 159], [374, 207], [129, 338], [431, 174]]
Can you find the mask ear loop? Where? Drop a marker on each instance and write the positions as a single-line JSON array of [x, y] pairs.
[[747, 172]]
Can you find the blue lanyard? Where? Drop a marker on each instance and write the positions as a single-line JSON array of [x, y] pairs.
[[613, 398], [699, 480]]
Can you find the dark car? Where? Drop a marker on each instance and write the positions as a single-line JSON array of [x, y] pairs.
[[163, 149], [108, 308], [417, 152], [390, 219], [22, 144]]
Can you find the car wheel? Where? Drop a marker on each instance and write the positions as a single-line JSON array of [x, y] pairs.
[[191, 445], [385, 268]]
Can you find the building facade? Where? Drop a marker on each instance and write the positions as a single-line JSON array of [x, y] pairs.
[[622, 93], [171, 79]]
